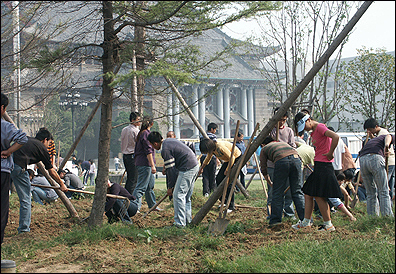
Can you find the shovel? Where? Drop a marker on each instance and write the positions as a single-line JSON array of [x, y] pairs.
[[222, 224], [219, 226]]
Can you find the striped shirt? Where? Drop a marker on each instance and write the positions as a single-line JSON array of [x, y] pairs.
[[274, 151]]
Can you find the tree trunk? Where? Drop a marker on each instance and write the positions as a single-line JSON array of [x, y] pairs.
[[286, 105], [109, 59]]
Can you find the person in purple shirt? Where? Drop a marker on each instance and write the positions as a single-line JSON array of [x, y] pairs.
[[372, 165], [145, 164], [181, 167]]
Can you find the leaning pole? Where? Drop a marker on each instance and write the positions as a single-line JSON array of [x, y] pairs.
[[286, 105]]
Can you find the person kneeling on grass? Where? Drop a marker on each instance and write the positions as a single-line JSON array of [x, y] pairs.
[[41, 195], [181, 167], [115, 209]]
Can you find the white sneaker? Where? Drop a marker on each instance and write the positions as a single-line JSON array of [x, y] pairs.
[[229, 211], [206, 195], [300, 225]]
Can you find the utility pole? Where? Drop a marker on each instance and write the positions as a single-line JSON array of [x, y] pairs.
[[16, 57]]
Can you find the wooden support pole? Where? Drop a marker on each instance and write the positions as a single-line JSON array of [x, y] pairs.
[[286, 105]]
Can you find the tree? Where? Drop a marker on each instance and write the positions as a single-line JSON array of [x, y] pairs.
[[166, 24], [369, 86]]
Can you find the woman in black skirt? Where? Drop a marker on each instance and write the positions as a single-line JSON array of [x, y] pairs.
[[322, 183]]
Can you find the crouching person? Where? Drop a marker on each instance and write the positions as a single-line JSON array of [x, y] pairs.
[[115, 209], [72, 181], [181, 167], [41, 195]]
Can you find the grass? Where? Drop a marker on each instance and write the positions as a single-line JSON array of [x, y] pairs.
[[368, 246]]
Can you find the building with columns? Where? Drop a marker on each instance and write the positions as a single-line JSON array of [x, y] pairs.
[[238, 92]]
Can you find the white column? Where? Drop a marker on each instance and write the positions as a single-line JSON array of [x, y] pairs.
[[226, 96], [176, 116], [250, 110], [220, 111], [244, 108], [170, 111], [195, 107], [202, 106]]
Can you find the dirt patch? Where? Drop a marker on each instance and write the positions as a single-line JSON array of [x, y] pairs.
[[248, 230]]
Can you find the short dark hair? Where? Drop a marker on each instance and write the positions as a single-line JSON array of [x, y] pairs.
[[134, 115], [268, 140], [341, 177], [44, 133], [4, 100], [348, 174], [285, 114], [240, 133], [207, 145], [154, 137], [212, 126], [370, 123]]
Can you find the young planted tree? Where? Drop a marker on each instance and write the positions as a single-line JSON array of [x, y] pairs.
[[369, 86]]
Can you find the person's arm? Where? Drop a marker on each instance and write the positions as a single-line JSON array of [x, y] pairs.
[[205, 162], [6, 153], [52, 172], [151, 163], [334, 142]]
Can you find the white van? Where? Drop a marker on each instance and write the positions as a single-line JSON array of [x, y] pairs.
[[354, 142]]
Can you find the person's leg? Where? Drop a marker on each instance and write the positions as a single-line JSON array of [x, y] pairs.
[[324, 208], [381, 182], [336, 202], [182, 196], [22, 184], [38, 194], [149, 193], [121, 210], [5, 201], [220, 177], [288, 209], [142, 183], [205, 177], [309, 205], [270, 171], [131, 172], [369, 185], [281, 173], [296, 183], [391, 180], [212, 174]]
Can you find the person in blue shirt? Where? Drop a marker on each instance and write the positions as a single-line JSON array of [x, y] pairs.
[[9, 134], [181, 167]]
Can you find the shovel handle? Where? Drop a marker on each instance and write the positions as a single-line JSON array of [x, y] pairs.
[[82, 191], [155, 206]]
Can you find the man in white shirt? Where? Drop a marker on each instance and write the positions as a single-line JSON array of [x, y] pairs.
[[128, 141]]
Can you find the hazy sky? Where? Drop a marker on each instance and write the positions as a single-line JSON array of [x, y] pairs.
[[375, 29]]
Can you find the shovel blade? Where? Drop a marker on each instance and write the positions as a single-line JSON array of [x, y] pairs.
[[218, 227]]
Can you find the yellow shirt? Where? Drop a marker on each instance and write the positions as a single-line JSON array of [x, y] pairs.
[[223, 152]]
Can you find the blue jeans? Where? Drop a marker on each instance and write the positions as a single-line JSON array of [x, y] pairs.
[[145, 185], [117, 165], [20, 177], [288, 209], [391, 178], [286, 170], [91, 177], [182, 196], [375, 181], [39, 196], [85, 177]]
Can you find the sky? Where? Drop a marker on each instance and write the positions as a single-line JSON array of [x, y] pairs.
[[375, 29]]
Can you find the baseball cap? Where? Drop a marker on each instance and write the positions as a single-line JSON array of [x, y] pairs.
[[301, 123]]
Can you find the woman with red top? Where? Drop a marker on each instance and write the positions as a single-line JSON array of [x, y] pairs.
[[322, 183]]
